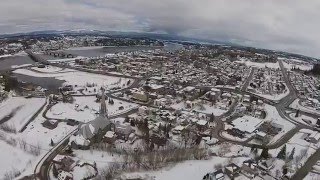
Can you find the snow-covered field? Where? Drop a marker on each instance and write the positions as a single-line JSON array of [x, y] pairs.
[[85, 108], [21, 108], [259, 64], [79, 80]]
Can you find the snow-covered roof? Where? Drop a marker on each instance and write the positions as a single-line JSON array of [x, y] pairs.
[[202, 122], [179, 128], [110, 134], [247, 123]]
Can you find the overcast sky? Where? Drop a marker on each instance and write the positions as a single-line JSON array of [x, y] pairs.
[[290, 25]]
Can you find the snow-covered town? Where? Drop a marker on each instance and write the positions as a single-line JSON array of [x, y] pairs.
[[86, 107]]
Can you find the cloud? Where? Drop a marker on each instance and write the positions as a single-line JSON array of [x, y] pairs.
[[289, 25]]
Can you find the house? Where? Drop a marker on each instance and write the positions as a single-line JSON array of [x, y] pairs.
[[140, 96], [50, 124], [250, 168], [218, 175], [232, 170], [261, 135], [314, 137], [266, 164], [64, 163], [178, 129], [110, 137], [202, 125], [63, 175], [143, 110], [123, 130]]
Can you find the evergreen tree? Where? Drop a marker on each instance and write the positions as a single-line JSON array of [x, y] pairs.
[[55, 171], [292, 153], [265, 153], [282, 153], [297, 113], [132, 123], [284, 170], [211, 117]]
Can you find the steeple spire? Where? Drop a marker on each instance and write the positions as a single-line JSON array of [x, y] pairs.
[[103, 107]]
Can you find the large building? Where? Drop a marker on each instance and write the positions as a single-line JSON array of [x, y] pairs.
[[93, 130]]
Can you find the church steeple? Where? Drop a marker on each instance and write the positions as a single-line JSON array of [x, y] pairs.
[[103, 106]]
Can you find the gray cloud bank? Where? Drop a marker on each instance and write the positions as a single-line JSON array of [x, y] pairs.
[[289, 25]]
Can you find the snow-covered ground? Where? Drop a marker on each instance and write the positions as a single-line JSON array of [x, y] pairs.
[[303, 119], [303, 149], [21, 108], [312, 176], [188, 170], [303, 67], [20, 66], [12, 159], [51, 69], [296, 105], [259, 64], [80, 80], [85, 108], [101, 158], [217, 109], [275, 97], [290, 63], [273, 116], [34, 136]]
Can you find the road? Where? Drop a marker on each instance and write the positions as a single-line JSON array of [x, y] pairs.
[[307, 167]]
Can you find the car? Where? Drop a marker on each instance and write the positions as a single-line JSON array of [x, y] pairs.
[[72, 122]]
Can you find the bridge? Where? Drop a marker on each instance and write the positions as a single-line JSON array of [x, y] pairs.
[[36, 57], [59, 54]]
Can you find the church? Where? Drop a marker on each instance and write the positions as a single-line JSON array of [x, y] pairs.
[[94, 130]]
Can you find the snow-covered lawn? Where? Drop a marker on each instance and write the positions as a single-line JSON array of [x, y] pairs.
[[21, 108], [81, 80], [86, 108], [273, 116]]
